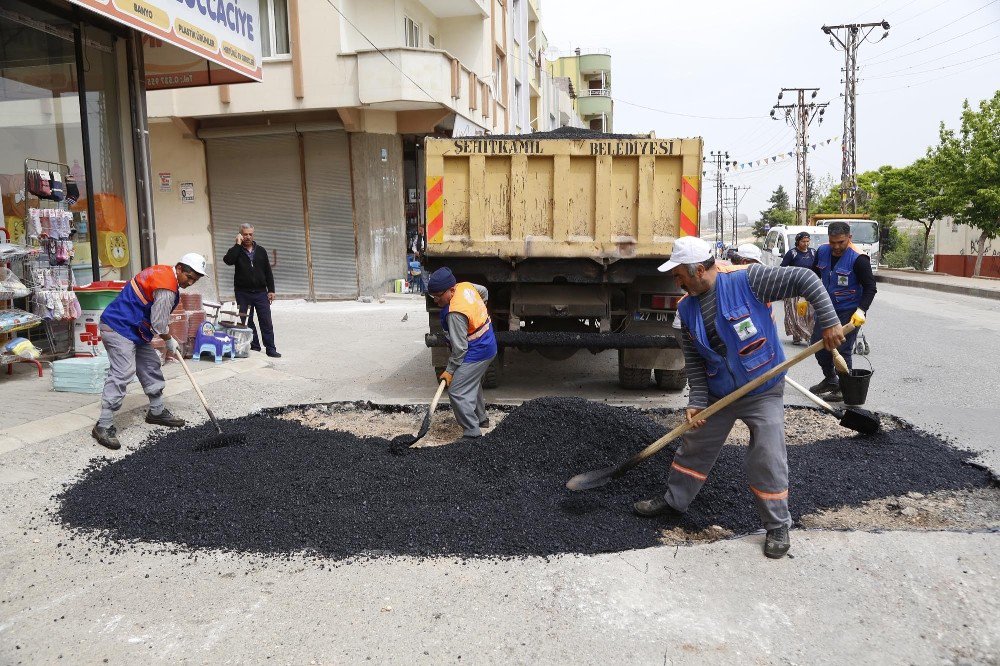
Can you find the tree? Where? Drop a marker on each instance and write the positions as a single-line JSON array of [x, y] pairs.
[[915, 193], [778, 213], [970, 171]]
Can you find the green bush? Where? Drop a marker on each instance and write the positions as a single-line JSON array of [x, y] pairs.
[[907, 252]]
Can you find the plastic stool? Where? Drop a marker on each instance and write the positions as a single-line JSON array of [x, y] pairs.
[[209, 341]]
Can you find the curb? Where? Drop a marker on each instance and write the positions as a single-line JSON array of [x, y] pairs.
[[81, 418], [938, 286]]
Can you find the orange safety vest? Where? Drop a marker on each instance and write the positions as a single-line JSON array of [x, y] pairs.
[[468, 302]]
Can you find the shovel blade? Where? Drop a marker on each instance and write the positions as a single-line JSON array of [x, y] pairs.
[[861, 420], [594, 479]]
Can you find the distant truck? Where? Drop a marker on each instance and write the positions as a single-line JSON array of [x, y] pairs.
[[864, 232], [567, 234]]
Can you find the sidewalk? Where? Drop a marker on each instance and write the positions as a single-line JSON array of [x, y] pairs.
[[33, 412], [982, 287]]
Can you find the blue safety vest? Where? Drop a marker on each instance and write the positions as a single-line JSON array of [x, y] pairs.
[[803, 259], [745, 326], [130, 313], [837, 274]]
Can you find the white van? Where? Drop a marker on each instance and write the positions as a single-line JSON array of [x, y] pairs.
[[781, 239]]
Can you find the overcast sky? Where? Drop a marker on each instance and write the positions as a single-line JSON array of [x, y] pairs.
[[730, 58]]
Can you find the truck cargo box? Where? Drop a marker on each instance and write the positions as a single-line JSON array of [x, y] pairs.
[[605, 198]]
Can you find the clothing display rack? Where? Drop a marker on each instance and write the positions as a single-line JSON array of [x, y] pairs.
[[45, 268]]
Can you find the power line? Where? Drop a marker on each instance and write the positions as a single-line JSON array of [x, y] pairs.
[[686, 115], [930, 9], [922, 83], [964, 16], [388, 59], [896, 74], [877, 61], [946, 55]]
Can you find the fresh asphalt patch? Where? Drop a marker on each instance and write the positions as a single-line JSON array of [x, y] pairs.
[[293, 489]]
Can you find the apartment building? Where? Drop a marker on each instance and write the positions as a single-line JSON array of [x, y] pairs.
[[324, 155], [589, 73]]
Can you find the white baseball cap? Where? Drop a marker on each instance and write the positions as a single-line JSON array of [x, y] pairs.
[[195, 262], [687, 250], [749, 251]]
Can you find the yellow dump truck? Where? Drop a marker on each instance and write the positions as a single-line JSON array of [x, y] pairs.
[[567, 235]]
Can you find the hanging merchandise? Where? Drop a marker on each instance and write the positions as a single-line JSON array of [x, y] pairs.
[[10, 286], [72, 190]]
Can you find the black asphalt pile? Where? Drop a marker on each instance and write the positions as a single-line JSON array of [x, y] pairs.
[[292, 489]]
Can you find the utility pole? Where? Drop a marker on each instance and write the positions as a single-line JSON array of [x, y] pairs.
[[799, 115], [720, 159], [850, 36], [736, 209]]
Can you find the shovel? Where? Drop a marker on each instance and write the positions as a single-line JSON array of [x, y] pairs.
[[859, 420], [599, 477], [402, 442], [220, 439]]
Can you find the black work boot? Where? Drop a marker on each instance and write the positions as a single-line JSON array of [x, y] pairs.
[[106, 437], [835, 395], [165, 418], [654, 507], [823, 387], [485, 423], [777, 543]]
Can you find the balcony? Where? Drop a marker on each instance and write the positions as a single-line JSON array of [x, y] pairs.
[[455, 8], [421, 79], [594, 103], [595, 63]]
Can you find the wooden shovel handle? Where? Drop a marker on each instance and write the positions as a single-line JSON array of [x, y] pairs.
[[840, 363], [721, 404], [201, 396], [437, 396]]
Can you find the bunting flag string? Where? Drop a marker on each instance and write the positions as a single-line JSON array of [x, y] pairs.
[[772, 159]]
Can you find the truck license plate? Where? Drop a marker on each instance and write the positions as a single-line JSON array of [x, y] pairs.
[[663, 317]]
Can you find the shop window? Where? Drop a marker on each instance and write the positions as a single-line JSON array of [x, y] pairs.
[[40, 82], [274, 28], [411, 32]]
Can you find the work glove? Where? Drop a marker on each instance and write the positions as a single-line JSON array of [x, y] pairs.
[[802, 307], [858, 318], [172, 346], [446, 378]]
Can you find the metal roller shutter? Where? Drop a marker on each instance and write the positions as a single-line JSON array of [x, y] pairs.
[[256, 179], [331, 214]]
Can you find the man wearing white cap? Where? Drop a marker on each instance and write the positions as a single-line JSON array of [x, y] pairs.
[[729, 339], [139, 313], [748, 253]]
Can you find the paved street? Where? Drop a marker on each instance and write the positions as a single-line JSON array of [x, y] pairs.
[[893, 597]]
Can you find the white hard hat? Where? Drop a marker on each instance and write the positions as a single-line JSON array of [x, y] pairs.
[[687, 250], [195, 262], [749, 251]]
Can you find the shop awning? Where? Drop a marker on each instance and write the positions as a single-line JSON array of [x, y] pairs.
[[222, 35]]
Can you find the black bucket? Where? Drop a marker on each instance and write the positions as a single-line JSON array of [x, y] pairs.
[[854, 386]]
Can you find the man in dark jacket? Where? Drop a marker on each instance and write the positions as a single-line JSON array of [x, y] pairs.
[[253, 283]]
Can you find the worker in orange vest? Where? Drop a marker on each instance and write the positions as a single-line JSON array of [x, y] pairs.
[[469, 331]]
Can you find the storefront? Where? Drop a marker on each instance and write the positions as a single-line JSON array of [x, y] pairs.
[[73, 77], [74, 150]]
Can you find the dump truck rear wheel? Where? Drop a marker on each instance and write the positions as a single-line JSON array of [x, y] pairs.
[[491, 379], [670, 380], [633, 378]]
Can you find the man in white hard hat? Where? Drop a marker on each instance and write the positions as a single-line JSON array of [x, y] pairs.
[[128, 325], [729, 339]]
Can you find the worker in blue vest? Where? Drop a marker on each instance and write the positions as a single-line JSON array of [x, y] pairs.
[[847, 275], [729, 339]]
